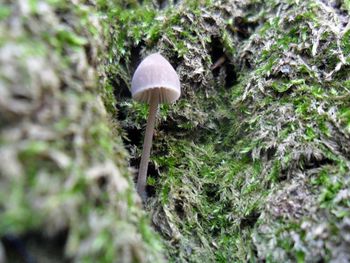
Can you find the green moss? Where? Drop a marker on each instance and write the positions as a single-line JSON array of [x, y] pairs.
[[218, 175], [65, 168], [250, 167]]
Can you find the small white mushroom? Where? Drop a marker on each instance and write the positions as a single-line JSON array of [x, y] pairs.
[[155, 81]]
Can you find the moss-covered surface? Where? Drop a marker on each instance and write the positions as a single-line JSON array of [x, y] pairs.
[[63, 168], [251, 164]]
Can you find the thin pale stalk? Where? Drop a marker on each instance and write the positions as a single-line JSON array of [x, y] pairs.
[[147, 145]]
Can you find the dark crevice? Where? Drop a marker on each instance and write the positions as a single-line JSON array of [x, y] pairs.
[[135, 57], [89, 55], [134, 137], [216, 54], [121, 113], [269, 153], [221, 64], [241, 26], [215, 231], [123, 89], [179, 209], [304, 165], [16, 250], [102, 183], [212, 192], [231, 76], [250, 220], [174, 60], [161, 4], [343, 73], [34, 247], [152, 173], [255, 252], [135, 162], [21, 97], [283, 176], [210, 21], [171, 126], [314, 163]]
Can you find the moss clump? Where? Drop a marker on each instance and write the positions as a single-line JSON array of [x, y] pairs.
[[254, 167], [63, 166]]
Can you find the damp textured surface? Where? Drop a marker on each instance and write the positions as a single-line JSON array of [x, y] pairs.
[[250, 164]]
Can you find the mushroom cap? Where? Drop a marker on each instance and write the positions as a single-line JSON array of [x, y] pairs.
[[155, 73]]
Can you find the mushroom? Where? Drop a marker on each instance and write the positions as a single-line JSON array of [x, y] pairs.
[[155, 81]]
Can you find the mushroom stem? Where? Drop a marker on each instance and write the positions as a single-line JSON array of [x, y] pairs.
[[147, 144]]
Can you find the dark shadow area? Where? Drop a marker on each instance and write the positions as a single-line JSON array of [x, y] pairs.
[[221, 64], [121, 88], [269, 153], [314, 163], [134, 137], [217, 55], [179, 208], [136, 58], [171, 126], [161, 4], [34, 247], [212, 192], [250, 220], [242, 27], [153, 173], [231, 76]]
